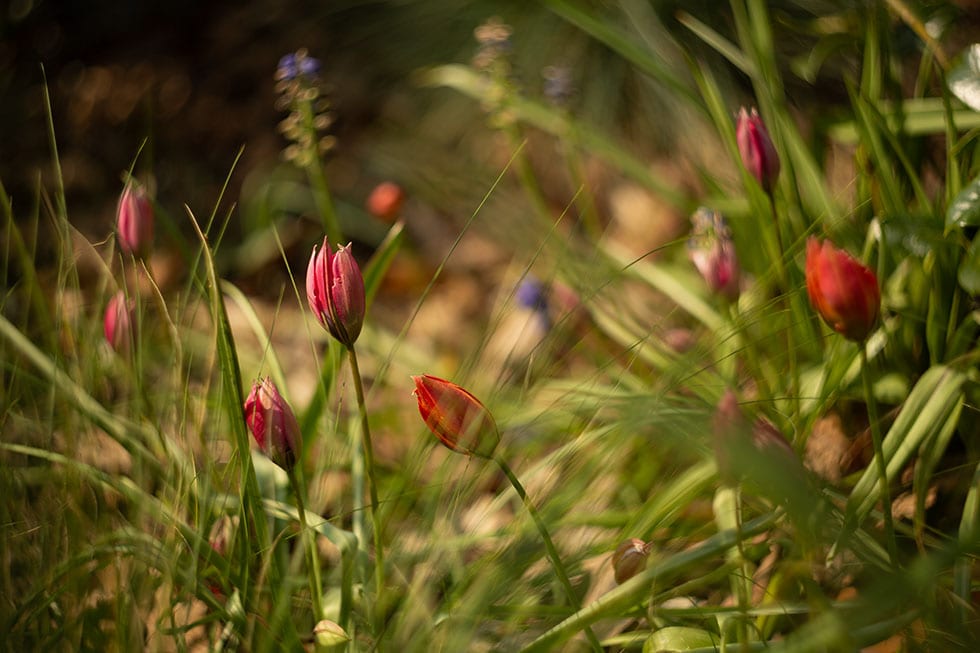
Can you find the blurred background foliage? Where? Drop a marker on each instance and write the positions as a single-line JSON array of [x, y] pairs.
[[196, 82]]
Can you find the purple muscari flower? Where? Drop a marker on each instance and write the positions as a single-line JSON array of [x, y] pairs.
[[287, 67], [531, 294], [297, 65]]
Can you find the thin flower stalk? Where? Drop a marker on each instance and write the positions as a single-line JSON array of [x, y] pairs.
[[368, 451], [876, 443]]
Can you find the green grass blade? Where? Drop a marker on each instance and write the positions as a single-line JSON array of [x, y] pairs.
[[268, 351], [933, 406]]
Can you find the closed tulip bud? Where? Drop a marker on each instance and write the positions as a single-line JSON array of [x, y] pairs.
[[385, 201], [118, 323], [134, 220], [754, 144], [712, 250], [456, 417], [273, 424], [329, 633], [843, 291], [629, 559], [335, 290]]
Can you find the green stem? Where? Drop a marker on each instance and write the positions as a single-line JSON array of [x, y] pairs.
[[886, 500], [372, 489], [549, 546], [784, 280], [318, 178], [309, 540]]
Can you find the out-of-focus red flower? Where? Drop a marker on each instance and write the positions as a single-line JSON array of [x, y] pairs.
[[843, 291], [335, 290], [754, 144], [712, 250], [273, 424], [134, 220], [456, 417], [385, 201], [118, 323]]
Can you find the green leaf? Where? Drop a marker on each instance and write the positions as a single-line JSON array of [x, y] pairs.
[[375, 270], [969, 273], [678, 638], [964, 79], [965, 209], [933, 406]]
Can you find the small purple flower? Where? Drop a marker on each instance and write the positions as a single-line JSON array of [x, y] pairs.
[[298, 65], [531, 294]]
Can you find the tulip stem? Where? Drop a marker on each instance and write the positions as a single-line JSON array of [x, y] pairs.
[[549, 545], [886, 501], [309, 540], [372, 489]]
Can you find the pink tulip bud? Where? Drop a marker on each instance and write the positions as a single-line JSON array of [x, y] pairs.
[[335, 290], [457, 418], [754, 144], [273, 424], [712, 251], [386, 200], [134, 220], [118, 323], [843, 291]]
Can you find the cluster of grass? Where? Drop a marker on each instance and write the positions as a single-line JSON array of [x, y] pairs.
[[137, 515]]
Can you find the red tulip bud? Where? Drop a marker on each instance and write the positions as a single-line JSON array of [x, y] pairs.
[[754, 144], [118, 324], [335, 290], [273, 424], [842, 290], [134, 220], [456, 417]]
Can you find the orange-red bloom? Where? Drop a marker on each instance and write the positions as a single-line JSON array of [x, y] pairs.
[[386, 200], [842, 290], [457, 418]]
